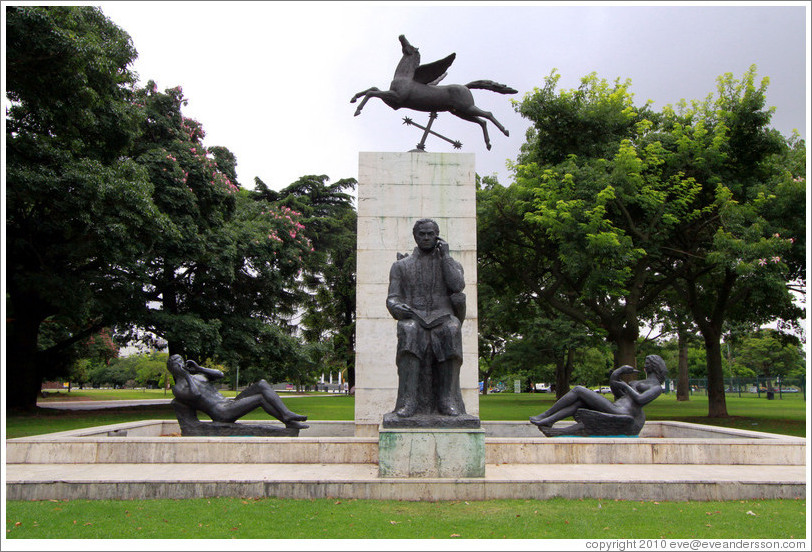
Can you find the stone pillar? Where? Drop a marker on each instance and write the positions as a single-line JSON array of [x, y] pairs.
[[394, 191]]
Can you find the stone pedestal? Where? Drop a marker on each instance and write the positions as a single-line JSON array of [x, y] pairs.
[[394, 191], [447, 453]]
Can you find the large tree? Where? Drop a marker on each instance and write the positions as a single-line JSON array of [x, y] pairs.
[[518, 330], [79, 211], [327, 309], [614, 204], [588, 211], [222, 278], [772, 354], [740, 254]]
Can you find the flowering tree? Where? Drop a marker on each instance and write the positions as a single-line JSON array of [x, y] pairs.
[[225, 268], [327, 306]]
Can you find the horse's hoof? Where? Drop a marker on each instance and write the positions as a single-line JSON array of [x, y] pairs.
[[357, 113], [488, 146], [353, 100], [507, 133]]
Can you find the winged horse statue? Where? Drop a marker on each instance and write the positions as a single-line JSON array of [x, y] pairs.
[[414, 86]]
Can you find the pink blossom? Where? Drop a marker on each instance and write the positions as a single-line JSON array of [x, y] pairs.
[[762, 262], [775, 259], [292, 234]]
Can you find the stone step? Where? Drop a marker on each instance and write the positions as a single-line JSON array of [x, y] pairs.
[[360, 480]]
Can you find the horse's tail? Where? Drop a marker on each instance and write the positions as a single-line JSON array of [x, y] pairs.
[[492, 86]]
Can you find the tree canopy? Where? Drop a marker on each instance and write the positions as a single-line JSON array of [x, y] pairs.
[[79, 210], [328, 272], [120, 217], [614, 205]]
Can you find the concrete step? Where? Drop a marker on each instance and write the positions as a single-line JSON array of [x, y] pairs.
[[360, 480]]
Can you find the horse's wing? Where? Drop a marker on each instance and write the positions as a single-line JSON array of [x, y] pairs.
[[429, 72]]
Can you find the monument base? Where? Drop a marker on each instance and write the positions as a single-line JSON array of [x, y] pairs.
[[444, 453], [430, 421], [219, 429]]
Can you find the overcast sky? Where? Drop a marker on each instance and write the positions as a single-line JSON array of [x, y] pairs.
[[272, 81]]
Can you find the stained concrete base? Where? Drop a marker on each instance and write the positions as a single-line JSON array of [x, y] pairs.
[[444, 453]]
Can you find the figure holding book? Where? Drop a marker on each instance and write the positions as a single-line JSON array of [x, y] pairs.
[[425, 297]]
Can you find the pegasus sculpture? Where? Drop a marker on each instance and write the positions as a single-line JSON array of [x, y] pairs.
[[414, 86]]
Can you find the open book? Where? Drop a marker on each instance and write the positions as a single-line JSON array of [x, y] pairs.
[[431, 323]]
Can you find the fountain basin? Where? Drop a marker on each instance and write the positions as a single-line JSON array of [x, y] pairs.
[[333, 442]]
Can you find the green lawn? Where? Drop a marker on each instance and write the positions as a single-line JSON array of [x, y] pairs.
[[312, 519], [786, 416], [270, 518]]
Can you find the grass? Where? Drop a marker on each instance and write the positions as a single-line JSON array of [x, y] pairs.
[[46, 420], [786, 416], [271, 518]]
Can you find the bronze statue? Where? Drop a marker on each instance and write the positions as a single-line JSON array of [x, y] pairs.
[[596, 415], [414, 86], [425, 297], [194, 391]]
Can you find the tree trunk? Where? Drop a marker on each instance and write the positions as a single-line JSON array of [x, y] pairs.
[[170, 306], [625, 348], [23, 376], [717, 405], [709, 319], [683, 390], [563, 372]]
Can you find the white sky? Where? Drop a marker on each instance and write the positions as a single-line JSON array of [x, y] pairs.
[[272, 81]]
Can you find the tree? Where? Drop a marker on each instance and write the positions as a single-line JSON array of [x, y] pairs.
[[151, 370], [79, 211], [770, 353], [518, 328], [591, 209], [612, 205], [593, 365], [737, 256], [329, 221], [673, 319], [222, 280]]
